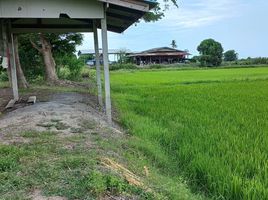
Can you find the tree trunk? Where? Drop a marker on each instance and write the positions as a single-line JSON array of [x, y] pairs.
[[22, 82], [50, 65]]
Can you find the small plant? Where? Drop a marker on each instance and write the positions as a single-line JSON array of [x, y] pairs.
[[3, 76]]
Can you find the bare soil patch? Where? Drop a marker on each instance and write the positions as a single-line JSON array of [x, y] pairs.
[[63, 113]]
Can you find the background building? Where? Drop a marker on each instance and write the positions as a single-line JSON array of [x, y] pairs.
[[162, 55]]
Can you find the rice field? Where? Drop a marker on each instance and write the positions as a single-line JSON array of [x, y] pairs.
[[209, 126]]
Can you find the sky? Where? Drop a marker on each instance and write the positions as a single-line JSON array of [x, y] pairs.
[[241, 25]]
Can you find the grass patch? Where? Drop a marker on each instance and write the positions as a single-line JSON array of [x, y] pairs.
[[4, 84], [209, 126], [46, 164]]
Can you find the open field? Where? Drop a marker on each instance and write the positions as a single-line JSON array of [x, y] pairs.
[[210, 126], [61, 148]]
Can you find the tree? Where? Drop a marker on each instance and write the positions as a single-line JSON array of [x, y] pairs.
[[211, 53], [158, 12], [54, 47], [173, 44], [46, 51], [22, 82], [230, 55]]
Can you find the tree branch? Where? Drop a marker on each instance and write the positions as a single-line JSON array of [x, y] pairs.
[[35, 46]]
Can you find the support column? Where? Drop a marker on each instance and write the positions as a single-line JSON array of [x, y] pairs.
[[8, 37], [2, 50], [106, 67], [97, 59]]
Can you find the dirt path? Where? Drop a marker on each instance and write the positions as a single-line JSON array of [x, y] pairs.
[[66, 113]]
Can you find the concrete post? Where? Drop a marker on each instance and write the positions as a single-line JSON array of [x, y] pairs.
[[106, 67], [13, 64], [2, 49], [97, 59], [8, 38]]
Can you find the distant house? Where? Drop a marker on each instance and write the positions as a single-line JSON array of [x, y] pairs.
[[162, 55], [114, 55]]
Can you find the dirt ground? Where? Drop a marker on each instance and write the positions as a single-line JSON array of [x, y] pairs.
[[63, 113], [5, 96], [66, 113]]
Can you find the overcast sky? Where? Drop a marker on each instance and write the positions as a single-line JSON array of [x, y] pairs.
[[241, 25]]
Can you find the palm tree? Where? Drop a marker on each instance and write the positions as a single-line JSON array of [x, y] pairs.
[[173, 44]]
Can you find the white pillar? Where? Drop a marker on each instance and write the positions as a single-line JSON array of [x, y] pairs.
[[2, 49], [8, 36], [106, 67], [97, 59]]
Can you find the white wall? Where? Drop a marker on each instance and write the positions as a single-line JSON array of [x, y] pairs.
[[50, 8]]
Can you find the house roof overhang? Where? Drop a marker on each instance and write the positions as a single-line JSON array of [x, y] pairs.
[[121, 14]]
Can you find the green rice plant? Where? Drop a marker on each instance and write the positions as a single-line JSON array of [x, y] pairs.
[[209, 125]]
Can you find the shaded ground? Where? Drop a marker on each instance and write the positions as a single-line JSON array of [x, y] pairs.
[[5, 96]]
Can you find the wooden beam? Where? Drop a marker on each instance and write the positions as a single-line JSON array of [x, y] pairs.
[[108, 105], [97, 59], [135, 5]]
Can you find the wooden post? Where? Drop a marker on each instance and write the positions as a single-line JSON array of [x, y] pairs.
[[106, 67], [97, 59]]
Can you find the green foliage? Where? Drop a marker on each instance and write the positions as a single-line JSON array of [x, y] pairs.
[[85, 58], [63, 47], [210, 53], [173, 44], [194, 59], [70, 68], [3, 76], [31, 61], [158, 12], [123, 59], [230, 55], [119, 66], [98, 183], [208, 125], [253, 61]]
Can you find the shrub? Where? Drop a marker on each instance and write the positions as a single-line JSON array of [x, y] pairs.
[[3, 76], [156, 66], [70, 68], [64, 73], [123, 66], [38, 80]]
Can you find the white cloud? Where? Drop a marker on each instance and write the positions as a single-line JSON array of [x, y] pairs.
[[198, 13]]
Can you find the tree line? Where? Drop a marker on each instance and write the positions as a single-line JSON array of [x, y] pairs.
[[211, 54]]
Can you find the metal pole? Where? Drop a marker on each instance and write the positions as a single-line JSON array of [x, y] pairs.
[[106, 67], [97, 59], [12, 62]]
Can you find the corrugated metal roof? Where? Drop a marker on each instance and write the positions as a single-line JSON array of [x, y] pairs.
[[161, 51]]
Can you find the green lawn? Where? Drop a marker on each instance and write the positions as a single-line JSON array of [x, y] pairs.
[[209, 126]]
